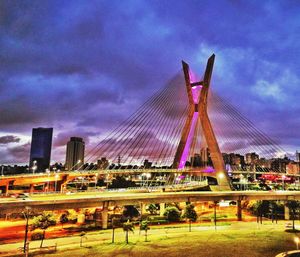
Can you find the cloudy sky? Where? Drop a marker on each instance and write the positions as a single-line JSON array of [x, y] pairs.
[[82, 67]]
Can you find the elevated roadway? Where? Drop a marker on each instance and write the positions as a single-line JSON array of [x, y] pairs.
[[93, 199], [25, 179]]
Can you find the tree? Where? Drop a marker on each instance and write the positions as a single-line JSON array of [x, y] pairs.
[[63, 219], [152, 208], [172, 214], [190, 214], [274, 207], [43, 221], [293, 207], [130, 212], [127, 226], [72, 216], [261, 208], [144, 225], [115, 222]]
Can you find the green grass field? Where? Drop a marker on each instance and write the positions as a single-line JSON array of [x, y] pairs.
[[262, 241]]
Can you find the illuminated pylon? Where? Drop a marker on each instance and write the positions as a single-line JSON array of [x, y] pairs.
[[197, 94]]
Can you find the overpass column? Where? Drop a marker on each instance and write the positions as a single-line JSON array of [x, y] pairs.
[[162, 207], [239, 210], [286, 213], [104, 214], [31, 188], [143, 208], [6, 188]]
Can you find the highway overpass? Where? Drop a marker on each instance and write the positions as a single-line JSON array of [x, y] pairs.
[[100, 199]]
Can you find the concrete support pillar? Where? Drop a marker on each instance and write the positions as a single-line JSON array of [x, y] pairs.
[[104, 214], [31, 188], [143, 208], [286, 213], [6, 188], [239, 210], [162, 207]]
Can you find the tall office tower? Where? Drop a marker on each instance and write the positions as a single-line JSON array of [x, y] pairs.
[[75, 153], [297, 156], [251, 158], [40, 151]]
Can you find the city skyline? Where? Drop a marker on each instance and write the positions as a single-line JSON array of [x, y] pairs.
[[70, 64]]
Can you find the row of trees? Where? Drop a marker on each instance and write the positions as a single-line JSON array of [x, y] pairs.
[[272, 209], [171, 213]]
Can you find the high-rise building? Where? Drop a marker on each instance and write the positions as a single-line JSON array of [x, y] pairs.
[[102, 164], [252, 158], [75, 153], [297, 156], [40, 151]]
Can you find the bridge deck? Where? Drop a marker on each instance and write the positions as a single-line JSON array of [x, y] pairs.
[[93, 199]]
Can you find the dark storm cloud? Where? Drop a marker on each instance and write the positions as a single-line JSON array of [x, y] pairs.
[[19, 153], [9, 139], [62, 138], [83, 67]]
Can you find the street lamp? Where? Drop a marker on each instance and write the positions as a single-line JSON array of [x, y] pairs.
[[220, 176], [297, 240], [78, 162], [26, 215], [34, 167], [283, 178], [56, 177], [48, 172], [96, 180], [2, 169]]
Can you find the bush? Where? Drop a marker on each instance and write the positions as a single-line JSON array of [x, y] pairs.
[[37, 235], [72, 216], [158, 222], [172, 214]]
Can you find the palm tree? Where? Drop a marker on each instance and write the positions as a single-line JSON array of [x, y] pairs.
[[127, 226], [144, 225], [43, 221]]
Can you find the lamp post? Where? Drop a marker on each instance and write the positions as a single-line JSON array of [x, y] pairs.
[[2, 169], [283, 178], [26, 215], [34, 167], [56, 177], [96, 180], [215, 214], [48, 172], [220, 176], [78, 162]]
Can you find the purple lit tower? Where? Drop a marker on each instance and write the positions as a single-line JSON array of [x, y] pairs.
[[197, 95]]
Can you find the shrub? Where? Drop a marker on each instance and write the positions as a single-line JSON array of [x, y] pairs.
[[36, 235], [172, 214]]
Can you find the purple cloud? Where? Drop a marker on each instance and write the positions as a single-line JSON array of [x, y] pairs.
[[83, 68]]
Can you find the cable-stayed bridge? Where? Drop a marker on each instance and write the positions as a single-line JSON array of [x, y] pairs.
[[176, 137], [186, 126]]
